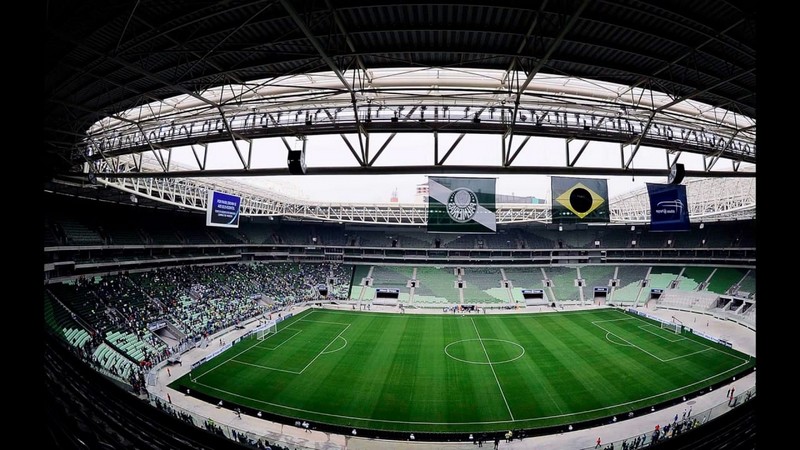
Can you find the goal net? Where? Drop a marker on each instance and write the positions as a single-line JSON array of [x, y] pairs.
[[674, 327], [271, 327]]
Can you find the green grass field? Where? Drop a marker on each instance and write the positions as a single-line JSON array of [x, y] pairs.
[[455, 373]]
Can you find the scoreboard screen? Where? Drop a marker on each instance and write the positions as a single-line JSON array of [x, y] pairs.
[[222, 210]]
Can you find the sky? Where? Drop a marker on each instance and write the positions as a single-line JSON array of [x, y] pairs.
[[417, 149]]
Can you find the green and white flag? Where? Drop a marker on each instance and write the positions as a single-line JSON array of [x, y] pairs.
[[461, 205]]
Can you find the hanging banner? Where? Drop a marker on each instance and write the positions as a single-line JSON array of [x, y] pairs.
[[461, 205], [579, 199], [669, 210]]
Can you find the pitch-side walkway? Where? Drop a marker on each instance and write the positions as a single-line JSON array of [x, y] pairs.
[[742, 339]]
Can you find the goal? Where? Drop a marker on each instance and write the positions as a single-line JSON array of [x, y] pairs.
[[271, 327], [674, 327]]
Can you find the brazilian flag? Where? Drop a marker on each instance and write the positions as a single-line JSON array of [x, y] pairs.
[[461, 205], [579, 199]]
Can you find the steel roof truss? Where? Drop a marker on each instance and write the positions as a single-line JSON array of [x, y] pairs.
[[571, 163]]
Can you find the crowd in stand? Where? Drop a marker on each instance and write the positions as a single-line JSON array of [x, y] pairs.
[[678, 426], [198, 300]]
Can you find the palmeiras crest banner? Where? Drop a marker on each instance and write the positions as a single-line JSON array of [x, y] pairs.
[[461, 205]]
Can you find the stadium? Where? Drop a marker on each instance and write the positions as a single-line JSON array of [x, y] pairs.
[[340, 225]]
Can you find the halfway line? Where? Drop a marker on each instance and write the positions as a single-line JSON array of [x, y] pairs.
[[492, 367]]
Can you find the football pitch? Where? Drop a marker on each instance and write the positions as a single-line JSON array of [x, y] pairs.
[[462, 373]]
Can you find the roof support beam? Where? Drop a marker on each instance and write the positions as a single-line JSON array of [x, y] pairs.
[[327, 59], [449, 151], [539, 64], [524, 42], [352, 150], [679, 100], [715, 157], [204, 146], [347, 39], [380, 150], [682, 57], [234, 136], [389, 139], [514, 156], [441, 169], [580, 152], [674, 161], [144, 73]]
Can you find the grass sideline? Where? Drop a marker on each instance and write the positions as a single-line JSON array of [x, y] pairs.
[[459, 373]]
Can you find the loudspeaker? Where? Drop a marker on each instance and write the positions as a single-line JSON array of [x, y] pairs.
[[297, 162], [676, 174]]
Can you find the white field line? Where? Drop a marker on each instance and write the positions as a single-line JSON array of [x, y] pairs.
[[645, 328], [234, 356], [492, 367]]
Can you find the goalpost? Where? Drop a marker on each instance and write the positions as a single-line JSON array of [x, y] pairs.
[[674, 327], [271, 327]]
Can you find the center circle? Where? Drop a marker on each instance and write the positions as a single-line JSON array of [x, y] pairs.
[[484, 351]]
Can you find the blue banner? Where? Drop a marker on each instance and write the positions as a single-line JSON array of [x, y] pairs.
[[669, 210]]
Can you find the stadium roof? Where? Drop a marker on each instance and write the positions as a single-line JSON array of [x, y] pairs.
[[104, 57]]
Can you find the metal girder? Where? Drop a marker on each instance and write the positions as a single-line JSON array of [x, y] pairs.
[[511, 159], [301, 25], [582, 114], [327, 59], [540, 63], [627, 164], [201, 165], [380, 150], [712, 199], [115, 141], [571, 163], [353, 151], [143, 72], [525, 38], [233, 137], [715, 157], [389, 139], [438, 161], [679, 100], [671, 164], [347, 39], [437, 169], [680, 58], [557, 42]]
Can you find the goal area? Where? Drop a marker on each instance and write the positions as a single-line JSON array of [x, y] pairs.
[[262, 332], [674, 327]]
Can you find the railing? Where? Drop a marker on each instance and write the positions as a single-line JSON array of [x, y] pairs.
[[694, 420], [234, 433]]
